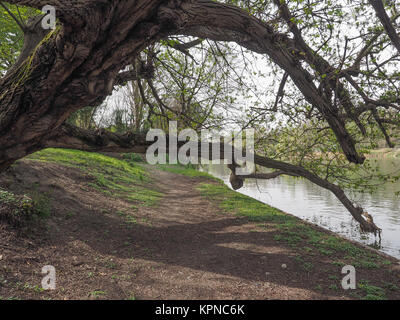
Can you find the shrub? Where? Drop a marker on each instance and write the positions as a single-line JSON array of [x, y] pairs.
[[132, 157], [17, 209]]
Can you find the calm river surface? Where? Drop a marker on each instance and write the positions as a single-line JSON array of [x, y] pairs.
[[312, 203]]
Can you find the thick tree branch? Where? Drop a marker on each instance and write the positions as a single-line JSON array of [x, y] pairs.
[[187, 45], [281, 91], [144, 72], [85, 63], [72, 137], [331, 83], [184, 47], [386, 22], [69, 136], [220, 22]]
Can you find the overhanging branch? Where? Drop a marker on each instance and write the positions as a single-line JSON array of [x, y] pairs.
[[144, 72], [72, 137], [386, 22], [221, 22]]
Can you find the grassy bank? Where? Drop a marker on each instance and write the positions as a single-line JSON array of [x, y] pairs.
[[149, 207], [124, 177], [308, 242]]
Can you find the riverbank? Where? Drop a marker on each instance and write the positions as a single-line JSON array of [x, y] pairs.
[[121, 229]]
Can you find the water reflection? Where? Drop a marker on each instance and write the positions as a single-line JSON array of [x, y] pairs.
[[312, 203]]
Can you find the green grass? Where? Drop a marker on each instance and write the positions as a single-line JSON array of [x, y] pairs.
[[132, 157], [308, 266], [111, 176], [371, 292], [291, 230], [366, 264], [17, 209], [96, 294], [186, 170], [233, 202], [333, 287], [35, 288], [391, 286]]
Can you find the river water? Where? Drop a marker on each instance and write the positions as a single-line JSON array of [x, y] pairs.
[[319, 206]]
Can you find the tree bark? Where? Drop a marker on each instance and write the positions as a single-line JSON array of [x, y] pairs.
[[385, 20], [70, 69], [78, 64]]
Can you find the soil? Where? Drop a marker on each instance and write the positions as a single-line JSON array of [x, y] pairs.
[[182, 248]]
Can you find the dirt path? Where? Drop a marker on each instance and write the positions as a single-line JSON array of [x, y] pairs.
[[181, 248], [214, 256]]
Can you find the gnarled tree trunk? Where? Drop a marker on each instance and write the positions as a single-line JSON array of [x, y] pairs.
[[78, 63]]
